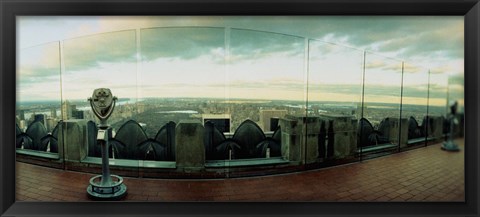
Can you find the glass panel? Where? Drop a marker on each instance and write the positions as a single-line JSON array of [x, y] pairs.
[[38, 100], [456, 90], [414, 105], [334, 100], [456, 94], [379, 125], [437, 105], [102, 61], [438, 94], [183, 80], [266, 90]]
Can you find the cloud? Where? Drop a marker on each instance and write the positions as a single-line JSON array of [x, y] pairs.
[[374, 62], [324, 51], [436, 91], [192, 42], [410, 38], [414, 36], [434, 43], [443, 69], [417, 91], [182, 42], [249, 44], [444, 42], [90, 51], [268, 85], [415, 69], [38, 71], [40, 61], [456, 80], [335, 88]]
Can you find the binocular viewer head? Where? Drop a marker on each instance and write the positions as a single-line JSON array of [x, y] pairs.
[[102, 103]]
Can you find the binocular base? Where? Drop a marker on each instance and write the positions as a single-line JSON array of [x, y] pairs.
[[111, 191], [450, 146]]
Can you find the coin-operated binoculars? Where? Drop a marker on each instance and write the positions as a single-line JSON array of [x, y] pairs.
[[105, 186], [449, 145]]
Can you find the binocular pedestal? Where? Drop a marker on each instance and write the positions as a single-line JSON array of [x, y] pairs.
[[106, 186], [449, 145]]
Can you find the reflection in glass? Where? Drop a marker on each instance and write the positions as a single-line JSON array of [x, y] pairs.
[[38, 98]]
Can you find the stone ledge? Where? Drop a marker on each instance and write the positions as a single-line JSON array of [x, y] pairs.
[[246, 162], [380, 147], [42, 154], [132, 163]]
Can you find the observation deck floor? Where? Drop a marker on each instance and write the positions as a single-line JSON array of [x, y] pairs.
[[422, 174]]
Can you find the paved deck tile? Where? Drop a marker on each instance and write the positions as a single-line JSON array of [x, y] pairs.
[[423, 174]]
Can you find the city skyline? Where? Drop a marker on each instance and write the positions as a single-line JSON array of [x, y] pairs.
[[232, 62]]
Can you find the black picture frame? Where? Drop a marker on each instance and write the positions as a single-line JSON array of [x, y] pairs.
[[9, 9]]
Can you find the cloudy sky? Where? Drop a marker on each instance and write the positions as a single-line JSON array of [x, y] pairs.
[[240, 57]]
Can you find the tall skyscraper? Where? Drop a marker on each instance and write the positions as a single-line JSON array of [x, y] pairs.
[[66, 110], [21, 114], [70, 111], [53, 112], [50, 124]]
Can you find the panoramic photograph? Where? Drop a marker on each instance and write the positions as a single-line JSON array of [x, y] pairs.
[[240, 108]]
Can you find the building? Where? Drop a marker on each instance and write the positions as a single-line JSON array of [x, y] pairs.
[[21, 114], [77, 114], [66, 110], [269, 119], [51, 123], [221, 121], [70, 111], [53, 112]]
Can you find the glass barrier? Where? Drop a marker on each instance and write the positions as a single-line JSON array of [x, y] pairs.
[[334, 101], [253, 102], [266, 84], [414, 106], [379, 125], [438, 94], [437, 106], [182, 82], [38, 101], [456, 90], [456, 94], [106, 60]]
